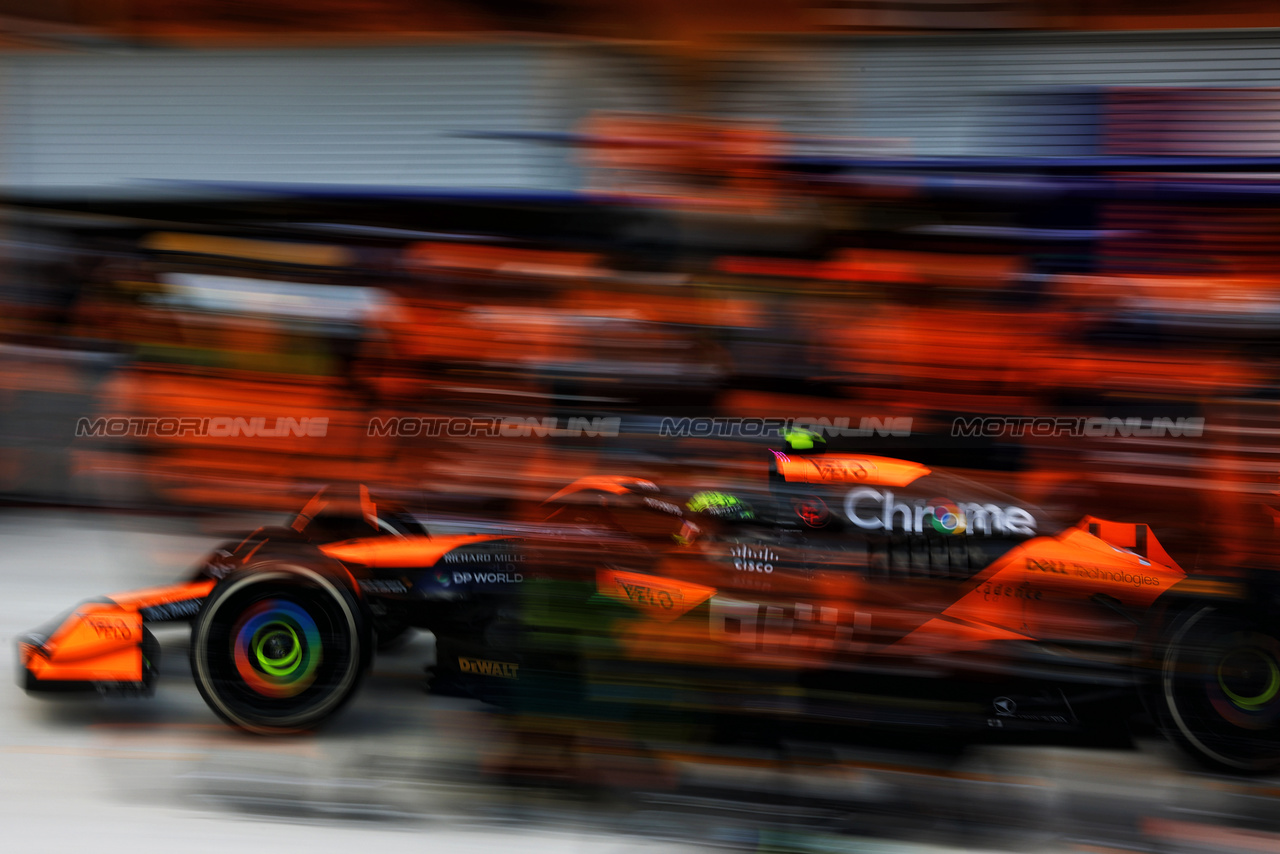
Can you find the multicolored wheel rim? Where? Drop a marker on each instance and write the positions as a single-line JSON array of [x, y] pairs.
[[1246, 681], [277, 648]]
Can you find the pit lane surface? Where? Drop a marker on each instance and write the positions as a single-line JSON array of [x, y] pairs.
[[400, 768]]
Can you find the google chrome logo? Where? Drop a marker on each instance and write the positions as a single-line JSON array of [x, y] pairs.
[[948, 518]]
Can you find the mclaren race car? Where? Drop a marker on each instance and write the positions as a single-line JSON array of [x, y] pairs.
[[286, 620], [849, 590]]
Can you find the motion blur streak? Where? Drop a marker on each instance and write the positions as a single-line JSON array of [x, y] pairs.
[[791, 425]]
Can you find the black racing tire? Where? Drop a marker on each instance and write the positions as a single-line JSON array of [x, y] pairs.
[[1218, 691], [279, 647]]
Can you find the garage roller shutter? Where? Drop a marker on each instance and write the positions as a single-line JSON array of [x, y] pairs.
[[108, 122]]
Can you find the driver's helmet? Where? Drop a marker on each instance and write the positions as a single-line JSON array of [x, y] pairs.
[[720, 505], [801, 440]]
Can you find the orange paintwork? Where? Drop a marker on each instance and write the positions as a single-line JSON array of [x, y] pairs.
[[100, 642], [946, 635], [663, 599], [1070, 587], [1046, 586], [1128, 535], [114, 664], [136, 600], [604, 483], [387, 552], [848, 468]]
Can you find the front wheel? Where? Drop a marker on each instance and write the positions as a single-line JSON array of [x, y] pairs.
[[279, 647], [1219, 689]]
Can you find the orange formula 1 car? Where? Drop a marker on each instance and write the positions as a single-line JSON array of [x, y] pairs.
[[857, 589], [285, 621], [861, 593]]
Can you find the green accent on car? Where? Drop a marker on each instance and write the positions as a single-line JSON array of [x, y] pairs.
[[800, 439], [1260, 699], [704, 502], [285, 664]]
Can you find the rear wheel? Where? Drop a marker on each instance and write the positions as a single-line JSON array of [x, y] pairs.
[[1220, 689], [279, 647]]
